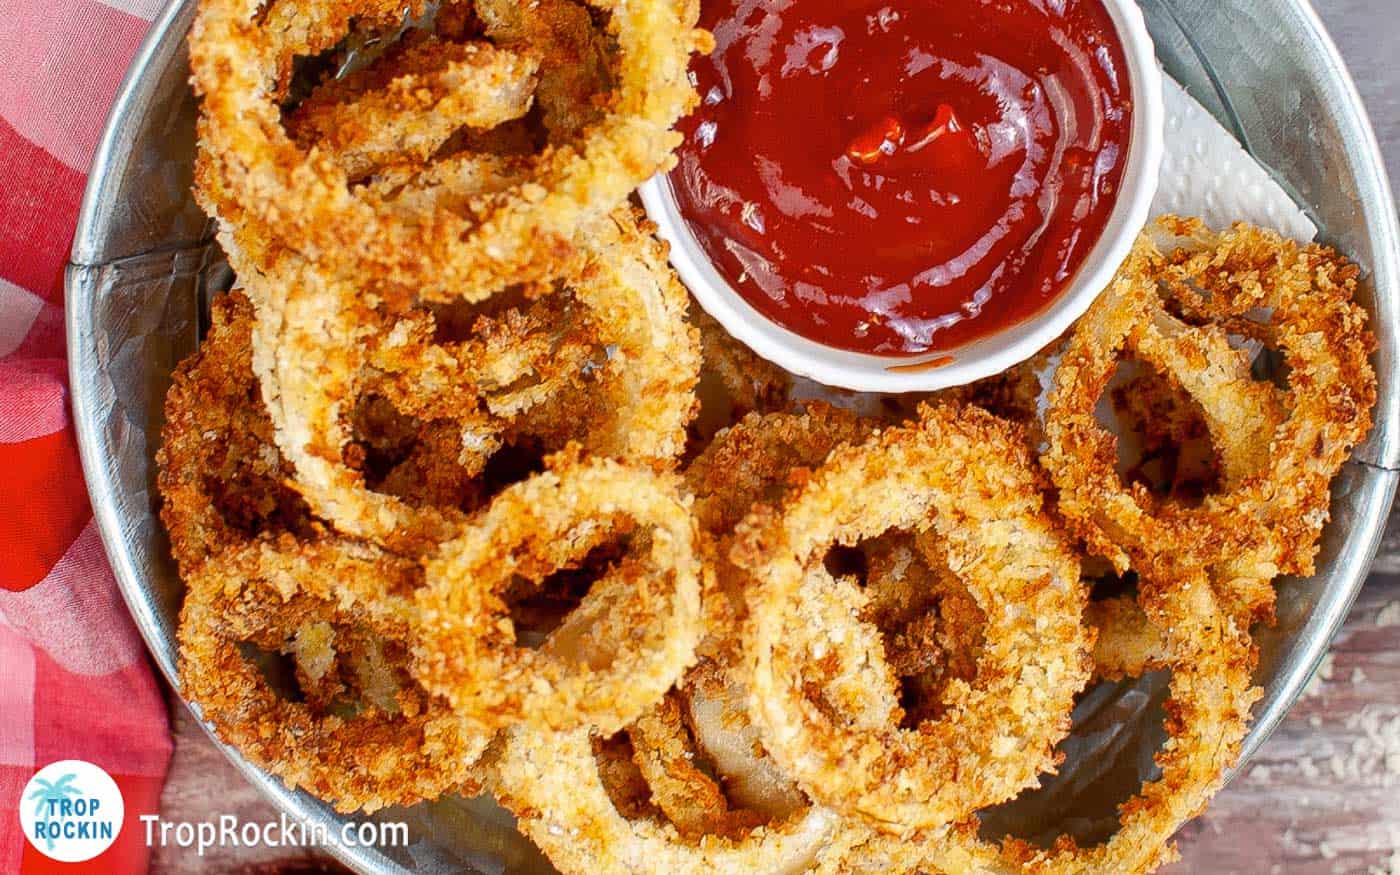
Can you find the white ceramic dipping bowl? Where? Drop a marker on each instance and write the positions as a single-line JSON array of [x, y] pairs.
[[982, 357]]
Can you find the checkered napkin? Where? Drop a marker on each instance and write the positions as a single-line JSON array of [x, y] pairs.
[[74, 679]]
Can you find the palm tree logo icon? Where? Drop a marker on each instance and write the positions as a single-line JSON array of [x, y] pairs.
[[46, 793], [68, 824]]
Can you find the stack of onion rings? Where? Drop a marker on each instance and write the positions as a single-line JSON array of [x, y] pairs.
[[623, 298], [426, 474], [749, 816], [266, 588]]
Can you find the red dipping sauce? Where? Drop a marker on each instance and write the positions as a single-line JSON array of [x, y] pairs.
[[899, 176]]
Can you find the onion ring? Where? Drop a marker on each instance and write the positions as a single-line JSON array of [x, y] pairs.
[[512, 236], [310, 356], [970, 473], [1267, 519], [1211, 658], [416, 751], [642, 397], [650, 608]]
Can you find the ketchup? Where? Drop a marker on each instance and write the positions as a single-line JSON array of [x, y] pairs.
[[898, 176]]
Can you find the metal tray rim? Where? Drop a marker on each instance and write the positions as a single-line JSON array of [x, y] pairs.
[[1380, 466]]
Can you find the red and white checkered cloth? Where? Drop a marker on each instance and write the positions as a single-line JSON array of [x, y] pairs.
[[75, 682]]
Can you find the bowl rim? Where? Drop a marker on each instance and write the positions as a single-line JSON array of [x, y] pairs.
[[982, 357]]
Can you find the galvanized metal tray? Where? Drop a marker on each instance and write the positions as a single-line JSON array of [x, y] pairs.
[[143, 259]]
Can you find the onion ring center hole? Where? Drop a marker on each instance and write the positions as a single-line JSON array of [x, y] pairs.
[[330, 669], [847, 562], [1164, 444], [1272, 366], [277, 667], [539, 608], [459, 321], [931, 627], [251, 502], [418, 461], [366, 42], [511, 464], [622, 779]]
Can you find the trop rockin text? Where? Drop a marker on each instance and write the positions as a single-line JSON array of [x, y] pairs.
[[229, 832]]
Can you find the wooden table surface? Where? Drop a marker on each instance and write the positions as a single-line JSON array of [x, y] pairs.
[[1321, 797]]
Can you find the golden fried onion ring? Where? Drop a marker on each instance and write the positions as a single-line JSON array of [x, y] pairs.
[[314, 340], [265, 593], [1211, 658], [1269, 515], [968, 475], [304, 197], [630, 639]]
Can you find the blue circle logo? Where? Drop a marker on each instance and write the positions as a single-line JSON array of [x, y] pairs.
[[71, 811]]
